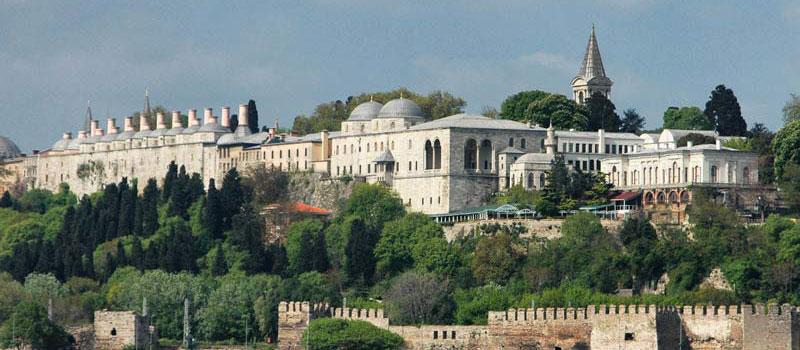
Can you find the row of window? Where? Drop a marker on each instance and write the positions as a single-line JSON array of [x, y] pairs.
[[444, 334], [585, 165], [650, 175], [570, 147], [262, 155]]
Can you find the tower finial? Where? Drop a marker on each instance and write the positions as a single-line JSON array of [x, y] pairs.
[[87, 123], [146, 109]]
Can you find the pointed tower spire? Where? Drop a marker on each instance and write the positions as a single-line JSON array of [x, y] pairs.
[[146, 110], [87, 123], [592, 62]]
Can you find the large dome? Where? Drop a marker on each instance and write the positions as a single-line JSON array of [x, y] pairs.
[[366, 111], [8, 149], [400, 108]]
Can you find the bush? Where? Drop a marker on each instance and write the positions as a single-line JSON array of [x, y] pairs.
[[337, 334]]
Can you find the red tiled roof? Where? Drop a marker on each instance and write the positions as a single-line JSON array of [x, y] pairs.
[[624, 196], [305, 208]]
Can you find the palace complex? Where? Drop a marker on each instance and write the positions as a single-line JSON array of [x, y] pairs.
[[435, 166]]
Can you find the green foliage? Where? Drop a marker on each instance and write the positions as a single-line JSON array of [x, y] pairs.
[[514, 106], [518, 196], [602, 114], [495, 259], [738, 144], [686, 118], [697, 139], [305, 247], [558, 109], [419, 298], [791, 110], [435, 255], [631, 121], [268, 185], [337, 334], [395, 248], [565, 190], [28, 326], [474, 304], [724, 114], [231, 305], [786, 147]]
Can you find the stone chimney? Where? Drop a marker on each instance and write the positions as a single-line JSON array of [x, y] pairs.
[[226, 117], [690, 144], [95, 126], [176, 119], [129, 124], [82, 134], [111, 126], [67, 136], [243, 115], [207, 114], [160, 121], [99, 132], [719, 143], [143, 123], [192, 116], [194, 121]]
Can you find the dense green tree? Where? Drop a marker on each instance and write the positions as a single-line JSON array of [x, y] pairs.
[[252, 116], [149, 208], [394, 250], [724, 114], [5, 200], [786, 147], [305, 247], [268, 185], [376, 205], [137, 254], [791, 110], [495, 259], [220, 267], [246, 234], [29, 327], [359, 264], [232, 196], [419, 298], [686, 118], [338, 334], [562, 112], [121, 257], [697, 139], [631, 121], [514, 106], [214, 211], [602, 114], [435, 255], [639, 238]]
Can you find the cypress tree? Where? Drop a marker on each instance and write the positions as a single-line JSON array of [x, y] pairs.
[[169, 180], [111, 265], [214, 212], [252, 116], [137, 255], [232, 196], [44, 263], [151, 257], [724, 113], [219, 268], [122, 260], [127, 209], [150, 208], [88, 266]]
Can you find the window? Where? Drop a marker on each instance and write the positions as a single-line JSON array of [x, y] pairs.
[[570, 147], [113, 332], [444, 334], [452, 334], [511, 142], [521, 144], [435, 333], [628, 336]]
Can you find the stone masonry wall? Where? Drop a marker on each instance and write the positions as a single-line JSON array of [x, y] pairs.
[[113, 330], [319, 190], [544, 228]]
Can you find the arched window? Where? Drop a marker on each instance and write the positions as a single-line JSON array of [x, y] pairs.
[[522, 143], [648, 198], [511, 142], [362, 127], [746, 175], [685, 197], [661, 197], [614, 174], [428, 155], [673, 197], [530, 180], [676, 174], [541, 180], [470, 154], [580, 97], [714, 174], [485, 155], [437, 154]]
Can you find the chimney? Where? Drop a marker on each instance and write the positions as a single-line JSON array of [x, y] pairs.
[[176, 119], [129, 124], [143, 123], [271, 133], [719, 143], [207, 113], [690, 143], [160, 121], [192, 116], [226, 117], [99, 132], [601, 140], [112, 128], [67, 136], [212, 120], [243, 115], [82, 134], [95, 126]]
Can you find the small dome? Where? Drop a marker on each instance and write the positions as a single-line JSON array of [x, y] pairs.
[[60, 145], [191, 130], [125, 135], [8, 149], [213, 127], [174, 131], [535, 158], [75, 144], [400, 107], [365, 111]]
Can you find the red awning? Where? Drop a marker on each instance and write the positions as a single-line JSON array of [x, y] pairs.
[[305, 208], [626, 196]]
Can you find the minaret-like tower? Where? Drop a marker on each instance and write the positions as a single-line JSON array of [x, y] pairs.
[[592, 77], [87, 124], [146, 110]]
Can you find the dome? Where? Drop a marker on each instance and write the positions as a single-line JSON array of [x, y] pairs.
[[213, 127], [191, 130], [8, 149], [75, 144], [400, 108], [60, 145], [174, 131], [535, 158], [158, 132], [108, 138], [365, 111], [142, 134], [125, 135]]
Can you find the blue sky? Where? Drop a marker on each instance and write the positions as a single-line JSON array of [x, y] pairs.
[[292, 55]]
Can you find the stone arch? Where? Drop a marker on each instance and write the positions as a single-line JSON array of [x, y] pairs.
[[676, 175], [661, 197], [428, 155], [485, 155], [673, 196], [684, 196], [113, 332], [648, 198], [511, 142], [522, 143], [470, 154], [580, 96], [437, 154]]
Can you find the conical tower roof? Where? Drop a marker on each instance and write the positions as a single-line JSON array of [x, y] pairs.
[[592, 63], [87, 123]]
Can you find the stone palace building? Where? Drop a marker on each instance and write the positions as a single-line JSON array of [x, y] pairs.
[[436, 167]]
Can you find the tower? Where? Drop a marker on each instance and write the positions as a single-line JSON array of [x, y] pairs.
[[146, 110], [592, 76], [87, 124]]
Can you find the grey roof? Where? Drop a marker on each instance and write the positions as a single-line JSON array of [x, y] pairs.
[[125, 135], [400, 107], [93, 139], [535, 158], [141, 134], [592, 65], [234, 139], [511, 150], [594, 134], [242, 131], [108, 137], [213, 127], [365, 111], [471, 121], [385, 157], [192, 129], [76, 143], [60, 145], [158, 132], [174, 131]]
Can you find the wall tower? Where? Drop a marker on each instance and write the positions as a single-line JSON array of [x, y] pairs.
[[592, 76]]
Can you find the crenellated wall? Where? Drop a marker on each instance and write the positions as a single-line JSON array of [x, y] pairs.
[[603, 327]]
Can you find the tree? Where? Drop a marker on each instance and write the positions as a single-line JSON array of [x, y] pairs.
[[686, 118], [602, 113], [558, 109], [489, 112], [791, 110], [639, 238], [418, 298], [338, 334], [786, 147], [495, 259], [214, 211], [631, 122], [359, 264], [29, 327], [376, 205], [394, 250], [220, 267], [514, 106], [232, 196], [723, 112], [234, 123], [149, 208], [252, 116], [760, 139], [5, 200], [268, 185], [697, 139], [305, 247]]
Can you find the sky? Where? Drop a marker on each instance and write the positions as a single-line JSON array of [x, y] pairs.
[[290, 56]]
